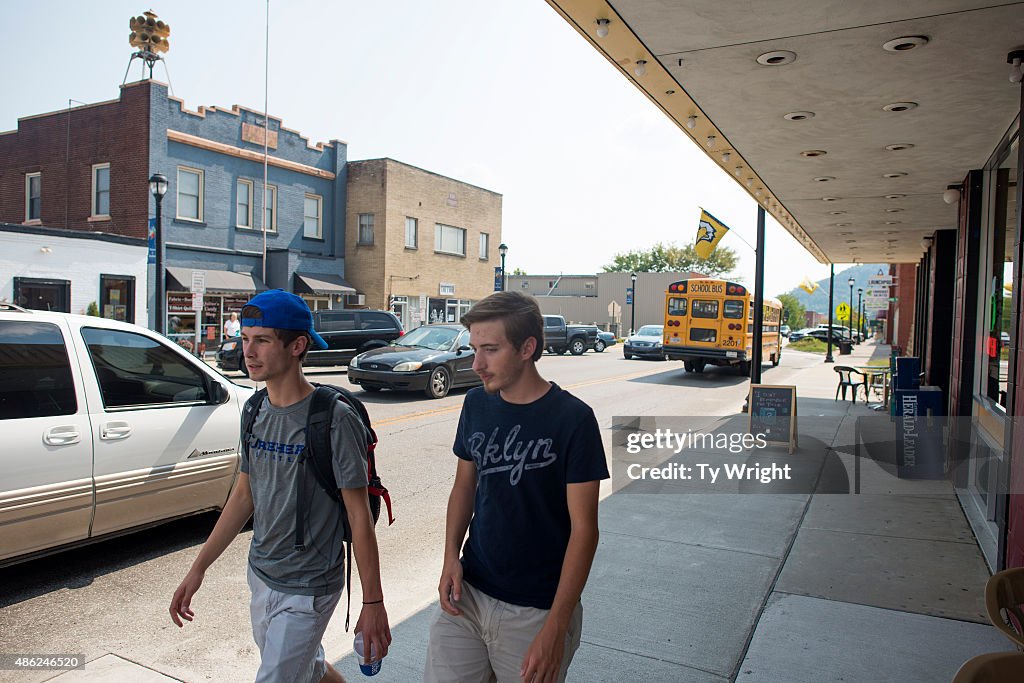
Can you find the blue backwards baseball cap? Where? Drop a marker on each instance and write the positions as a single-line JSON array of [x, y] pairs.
[[283, 311]]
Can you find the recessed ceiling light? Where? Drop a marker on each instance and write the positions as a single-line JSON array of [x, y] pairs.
[[893, 210], [824, 178], [893, 222], [905, 43], [836, 213], [776, 58], [813, 153], [829, 199], [898, 174], [799, 115], [670, 92], [900, 106], [895, 196], [899, 146]]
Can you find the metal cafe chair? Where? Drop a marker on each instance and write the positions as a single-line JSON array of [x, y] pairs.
[[994, 667], [848, 378], [1004, 602]]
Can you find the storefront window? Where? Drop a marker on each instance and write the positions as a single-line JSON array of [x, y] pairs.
[[117, 297], [999, 311]]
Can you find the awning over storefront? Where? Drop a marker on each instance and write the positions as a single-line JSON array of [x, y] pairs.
[[180, 280], [322, 284]]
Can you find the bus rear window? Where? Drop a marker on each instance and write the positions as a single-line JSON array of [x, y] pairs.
[[676, 306], [704, 309], [733, 309]]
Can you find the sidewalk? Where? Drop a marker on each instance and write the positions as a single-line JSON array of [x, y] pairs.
[[691, 586]]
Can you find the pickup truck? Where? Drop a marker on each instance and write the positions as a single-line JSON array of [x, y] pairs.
[[576, 339], [108, 428]]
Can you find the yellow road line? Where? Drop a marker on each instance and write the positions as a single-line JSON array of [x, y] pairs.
[[451, 409]]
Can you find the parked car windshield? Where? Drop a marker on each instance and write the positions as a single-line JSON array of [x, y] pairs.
[[429, 337], [650, 331]]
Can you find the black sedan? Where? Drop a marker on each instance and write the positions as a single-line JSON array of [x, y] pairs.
[[432, 359]]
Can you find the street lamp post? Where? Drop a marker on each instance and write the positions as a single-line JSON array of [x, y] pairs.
[[849, 322], [860, 317], [632, 322], [158, 188], [503, 249]]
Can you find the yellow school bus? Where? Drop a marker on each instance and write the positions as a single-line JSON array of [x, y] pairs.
[[711, 322]]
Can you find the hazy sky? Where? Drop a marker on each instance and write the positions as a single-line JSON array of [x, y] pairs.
[[502, 94]]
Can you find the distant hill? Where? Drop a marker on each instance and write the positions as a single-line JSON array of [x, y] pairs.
[[819, 300]]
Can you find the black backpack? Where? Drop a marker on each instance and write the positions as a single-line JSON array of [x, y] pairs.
[[317, 455]]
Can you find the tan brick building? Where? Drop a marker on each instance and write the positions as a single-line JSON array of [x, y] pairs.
[[420, 243]]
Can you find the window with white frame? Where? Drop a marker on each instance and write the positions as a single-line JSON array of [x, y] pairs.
[[449, 240], [101, 190], [366, 228], [311, 218], [190, 194], [33, 194], [411, 233], [270, 207], [243, 203], [485, 243]]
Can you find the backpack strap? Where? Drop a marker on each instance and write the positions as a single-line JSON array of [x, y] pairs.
[[249, 412], [316, 455]]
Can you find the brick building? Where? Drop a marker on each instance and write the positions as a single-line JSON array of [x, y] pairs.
[[423, 244], [86, 168]]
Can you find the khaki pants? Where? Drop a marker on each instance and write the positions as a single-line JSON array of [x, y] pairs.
[[489, 641]]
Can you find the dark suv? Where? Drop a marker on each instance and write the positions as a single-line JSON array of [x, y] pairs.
[[347, 333]]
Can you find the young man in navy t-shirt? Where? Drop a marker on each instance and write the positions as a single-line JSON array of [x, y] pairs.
[[526, 488]]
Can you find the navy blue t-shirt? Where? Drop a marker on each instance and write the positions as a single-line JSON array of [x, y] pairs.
[[524, 455]]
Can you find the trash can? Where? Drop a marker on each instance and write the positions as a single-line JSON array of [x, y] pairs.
[[845, 347]]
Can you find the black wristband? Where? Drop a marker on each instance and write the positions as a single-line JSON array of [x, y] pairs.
[[374, 602]]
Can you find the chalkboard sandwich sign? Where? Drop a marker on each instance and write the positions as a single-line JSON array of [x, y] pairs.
[[772, 410]]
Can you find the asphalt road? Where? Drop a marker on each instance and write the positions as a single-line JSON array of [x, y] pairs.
[[113, 596]]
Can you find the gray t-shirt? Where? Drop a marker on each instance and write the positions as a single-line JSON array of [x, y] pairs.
[[277, 440]]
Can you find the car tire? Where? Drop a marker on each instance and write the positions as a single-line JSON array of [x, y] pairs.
[[599, 346], [627, 356], [578, 347], [372, 390], [439, 383], [560, 351], [698, 366]]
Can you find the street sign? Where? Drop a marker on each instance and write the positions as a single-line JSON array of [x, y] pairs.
[[198, 282], [613, 310], [882, 281], [843, 312], [197, 301]]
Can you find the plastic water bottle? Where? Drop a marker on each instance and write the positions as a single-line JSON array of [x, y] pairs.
[[373, 667]]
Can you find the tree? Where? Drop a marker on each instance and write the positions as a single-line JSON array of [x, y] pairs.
[[796, 314], [517, 271], [662, 258]]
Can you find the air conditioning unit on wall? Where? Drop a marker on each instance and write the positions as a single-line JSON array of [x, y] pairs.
[[355, 300]]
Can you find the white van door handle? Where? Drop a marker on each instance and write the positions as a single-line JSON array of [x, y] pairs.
[[63, 435], [111, 431]]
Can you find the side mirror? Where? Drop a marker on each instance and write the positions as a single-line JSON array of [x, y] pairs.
[[463, 348], [219, 393]]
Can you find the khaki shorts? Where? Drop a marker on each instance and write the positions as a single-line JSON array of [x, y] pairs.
[[489, 641], [288, 629]]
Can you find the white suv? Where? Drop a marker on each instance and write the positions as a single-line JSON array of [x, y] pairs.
[[108, 427]]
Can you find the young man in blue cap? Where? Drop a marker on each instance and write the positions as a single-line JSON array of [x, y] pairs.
[[294, 591], [526, 488]]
